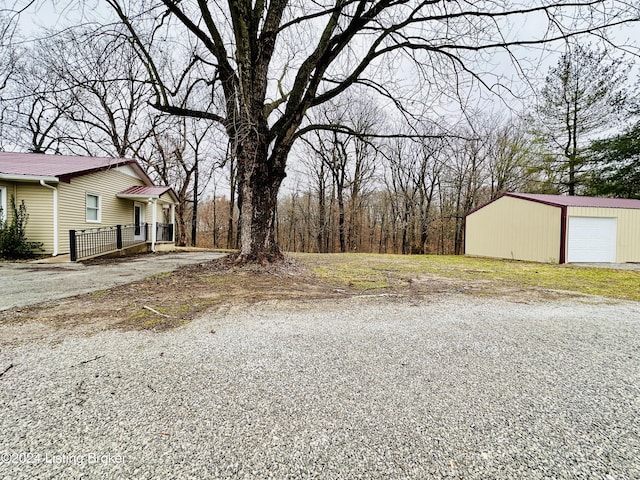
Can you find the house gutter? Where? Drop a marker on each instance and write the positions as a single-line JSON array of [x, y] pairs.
[[55, 216], [27, 178], [134, 196]]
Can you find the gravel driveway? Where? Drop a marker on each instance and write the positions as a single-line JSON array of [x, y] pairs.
[[30, 283], [451, 387]]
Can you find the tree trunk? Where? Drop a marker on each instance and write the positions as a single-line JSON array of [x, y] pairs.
[[572, 163], [232, 202], [405, 228], [182, 224], [353, 233], [259, 180], [343, 247], [323, 236], [215, 221], [424, 232], [322, 224], [194, 213], [291, 236]]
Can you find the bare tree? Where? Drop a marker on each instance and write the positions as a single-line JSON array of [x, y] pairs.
[[345, 151], [37, 104], [261, 98], [9, 52], [80, 93], [207, 158], [366, 119], [317, 173], [512, 158], [427, 177], [9, 65], [401, 192], [333, 153], [168, 157], [109, 115]]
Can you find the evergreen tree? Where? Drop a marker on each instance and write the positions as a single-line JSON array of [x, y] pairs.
[[616, 162], [583, 95]]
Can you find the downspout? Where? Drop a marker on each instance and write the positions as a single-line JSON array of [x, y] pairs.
[[55, 216]]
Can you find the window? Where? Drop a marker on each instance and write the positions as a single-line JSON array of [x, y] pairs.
[[3, 203], [93, 208]]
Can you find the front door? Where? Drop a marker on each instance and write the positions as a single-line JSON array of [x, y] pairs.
[[139, 232]]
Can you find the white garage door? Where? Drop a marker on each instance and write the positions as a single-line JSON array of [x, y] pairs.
[[592, 239]]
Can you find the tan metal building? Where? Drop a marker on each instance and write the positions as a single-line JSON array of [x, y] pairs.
[[555, 229]]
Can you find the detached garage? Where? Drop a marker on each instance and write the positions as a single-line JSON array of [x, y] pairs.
[[555, 229]]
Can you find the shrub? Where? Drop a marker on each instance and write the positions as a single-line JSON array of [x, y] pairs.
[[13, 239]]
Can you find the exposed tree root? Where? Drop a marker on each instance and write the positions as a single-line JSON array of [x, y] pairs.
[[263, 259]]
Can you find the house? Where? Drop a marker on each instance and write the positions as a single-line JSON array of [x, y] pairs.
[[85, 194], [555, 229]]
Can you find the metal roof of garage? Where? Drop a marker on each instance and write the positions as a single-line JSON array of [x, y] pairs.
[[577, 201]]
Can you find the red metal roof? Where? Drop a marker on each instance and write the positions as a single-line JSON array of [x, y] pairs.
[[38, 164], [145, 191], [575, 201]]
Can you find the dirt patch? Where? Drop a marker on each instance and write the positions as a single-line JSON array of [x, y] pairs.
[[168, 300], [164, 301]]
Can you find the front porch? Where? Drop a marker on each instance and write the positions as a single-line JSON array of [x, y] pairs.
[[95, 242]]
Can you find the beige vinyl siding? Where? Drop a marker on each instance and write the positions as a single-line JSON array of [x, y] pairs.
[[515, 228], [114, 210], [628, 234], [39, 203]]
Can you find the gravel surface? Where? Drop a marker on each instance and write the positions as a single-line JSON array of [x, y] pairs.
[[451, 387], [30, 283]]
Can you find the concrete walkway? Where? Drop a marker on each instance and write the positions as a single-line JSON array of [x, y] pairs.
[[614, 266], [29, 283]]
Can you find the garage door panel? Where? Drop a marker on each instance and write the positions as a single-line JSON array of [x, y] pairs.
[[592, 239]]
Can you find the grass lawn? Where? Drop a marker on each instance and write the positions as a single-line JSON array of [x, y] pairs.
[[371, 271]]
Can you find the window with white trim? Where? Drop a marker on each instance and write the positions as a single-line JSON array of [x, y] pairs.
[[3, 203], [94, 208]]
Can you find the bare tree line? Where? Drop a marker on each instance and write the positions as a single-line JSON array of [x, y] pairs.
[[407, 195], [403, 195]]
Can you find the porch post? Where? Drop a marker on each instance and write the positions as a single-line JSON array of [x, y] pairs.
[[73, 254], [154, 224], [173, 222]]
